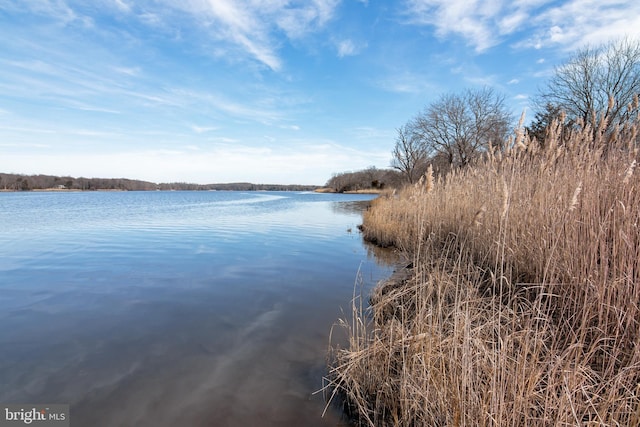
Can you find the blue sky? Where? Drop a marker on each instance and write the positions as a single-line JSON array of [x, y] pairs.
[[266, 91]]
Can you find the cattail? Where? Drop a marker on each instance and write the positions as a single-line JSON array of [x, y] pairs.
[[429, 175], [520, 130], [505, 198], [477, 219], [629, 172], [574, 198]]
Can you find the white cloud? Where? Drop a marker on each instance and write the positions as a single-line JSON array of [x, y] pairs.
[[346, 48], [122, 5], [254, 25], [290, 127], [57, 10], [570, 24], [202, 129], [513, 82], [129, 71], [510, 23], [474, 21], [298, 18], [151, 19], [575, 23]]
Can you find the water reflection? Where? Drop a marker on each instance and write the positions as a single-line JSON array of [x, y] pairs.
[[384, 256], [350, 206], [167, 309]]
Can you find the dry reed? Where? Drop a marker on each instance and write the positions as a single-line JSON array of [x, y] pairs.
[[522, 303]]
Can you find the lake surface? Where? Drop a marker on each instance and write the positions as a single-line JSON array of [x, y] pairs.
[[176, 308]]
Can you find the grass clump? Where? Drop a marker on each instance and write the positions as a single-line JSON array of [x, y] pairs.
[[521, 303]]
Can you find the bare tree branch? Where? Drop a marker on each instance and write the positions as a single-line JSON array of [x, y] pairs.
[[460, 126], [597, 83]]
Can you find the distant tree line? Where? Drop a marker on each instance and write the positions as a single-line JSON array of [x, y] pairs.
[[597, 88], [235, 186], [370, 178], [15, 182]]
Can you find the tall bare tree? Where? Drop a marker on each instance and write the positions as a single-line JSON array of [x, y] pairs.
[[409, 153], [597, 82], [460, 126]]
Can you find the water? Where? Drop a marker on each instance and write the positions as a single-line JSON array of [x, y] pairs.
[[176, 308]]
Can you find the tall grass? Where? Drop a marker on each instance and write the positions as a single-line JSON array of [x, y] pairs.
[[521, 305]]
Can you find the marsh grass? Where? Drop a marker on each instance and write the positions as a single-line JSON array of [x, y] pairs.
[[521, 303]]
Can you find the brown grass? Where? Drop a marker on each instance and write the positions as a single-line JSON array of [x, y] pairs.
[[522, 303]]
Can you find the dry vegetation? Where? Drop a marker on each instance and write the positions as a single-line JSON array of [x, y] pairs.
[[521, 304]]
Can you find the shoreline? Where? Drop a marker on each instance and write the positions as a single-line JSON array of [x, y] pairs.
[[520, 303], [333, 191]]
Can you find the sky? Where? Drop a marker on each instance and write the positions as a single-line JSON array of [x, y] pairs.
[[263, 91]]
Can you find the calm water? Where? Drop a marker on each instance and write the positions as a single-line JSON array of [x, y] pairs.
[[176, 308]]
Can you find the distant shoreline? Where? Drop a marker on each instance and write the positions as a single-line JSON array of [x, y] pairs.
[[18, 182], [117, 190], [59, 190]]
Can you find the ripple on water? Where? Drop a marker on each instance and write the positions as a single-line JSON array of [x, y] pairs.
[[178, 308]]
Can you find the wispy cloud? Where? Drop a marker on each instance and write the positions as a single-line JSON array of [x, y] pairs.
[[371, 133], [87, 107], [94, 87], [290, 127], [129, 71], [575, 23], [479, 23], [122, 5], [254, 28], [570, 24], [406, 82], [346, 48], [298, 18], [27, 129], [58, 10], [203, 129], [236, 109]]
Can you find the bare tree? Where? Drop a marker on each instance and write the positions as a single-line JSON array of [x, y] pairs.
[[460, 126], [410, 153], [597, 82]]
